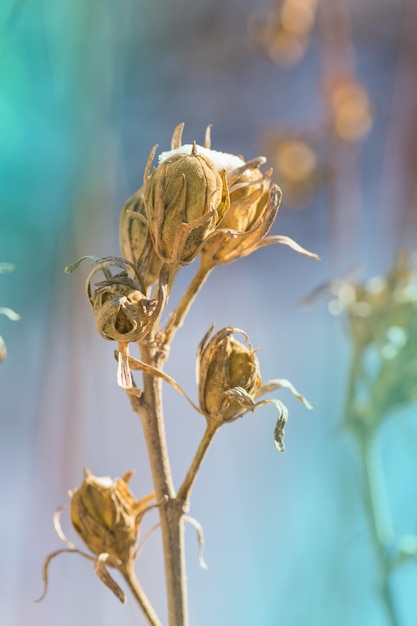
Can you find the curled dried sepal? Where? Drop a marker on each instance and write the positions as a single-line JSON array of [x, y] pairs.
[[134, 364], [185, 198], [70, 548], [200, 537], [280, 425], [136, 242], [283, 383], [121, 308], [103, 574], [227, 244]]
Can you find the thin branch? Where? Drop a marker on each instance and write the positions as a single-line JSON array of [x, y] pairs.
[[129, 575], [185, 489], [179, 313]]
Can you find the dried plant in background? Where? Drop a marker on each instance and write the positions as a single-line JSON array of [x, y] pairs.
[[195, 204], [382, 324], [321, 153], [12, 315]]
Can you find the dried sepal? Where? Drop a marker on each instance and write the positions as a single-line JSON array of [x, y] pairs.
[[136, 242], [283, 383], [282, 419], [103, 574], [136, 365], [176, 139], [46, 563], [70, 548], [9, 313], [200, 537]]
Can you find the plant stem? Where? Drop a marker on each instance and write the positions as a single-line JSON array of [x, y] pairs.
[[129, 575], [171, 509], [380, 521], [179, 313], [185, 489]]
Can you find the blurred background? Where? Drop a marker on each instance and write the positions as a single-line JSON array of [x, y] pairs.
[[326, 90]]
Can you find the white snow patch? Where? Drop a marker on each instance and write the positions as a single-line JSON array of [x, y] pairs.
[[220, 160]]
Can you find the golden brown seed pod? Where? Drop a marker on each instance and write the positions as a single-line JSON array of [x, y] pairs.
[[228, 375], [122, 313], [135, 240], [253, 207], [185, 198], [106, 515], [121, 308]]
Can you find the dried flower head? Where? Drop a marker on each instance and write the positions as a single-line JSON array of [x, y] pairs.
[[121, 308], [184, 199], [106, 515], [136, 242], [229, 381], [228, 374], [250, 204]]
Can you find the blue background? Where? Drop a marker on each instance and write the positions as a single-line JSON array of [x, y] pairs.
[[87, 88]]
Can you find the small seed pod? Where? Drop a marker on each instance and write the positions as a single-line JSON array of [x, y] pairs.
[[106, 515], [122, 312], [185, 198], [228, 376], [135, 240]]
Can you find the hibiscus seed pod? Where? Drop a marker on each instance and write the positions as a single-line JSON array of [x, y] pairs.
[[184, 201], [106, 515], [228, 375]]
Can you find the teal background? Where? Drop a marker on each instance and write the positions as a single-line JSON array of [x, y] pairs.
[[86, 88]]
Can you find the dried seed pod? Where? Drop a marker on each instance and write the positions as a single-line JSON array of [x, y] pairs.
[[135, 240], [106, 515], [185, 198], [253, 206], [121, 308], [123, 313], [228, 376]]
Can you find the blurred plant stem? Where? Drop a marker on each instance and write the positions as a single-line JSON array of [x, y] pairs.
[[380, 523]]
